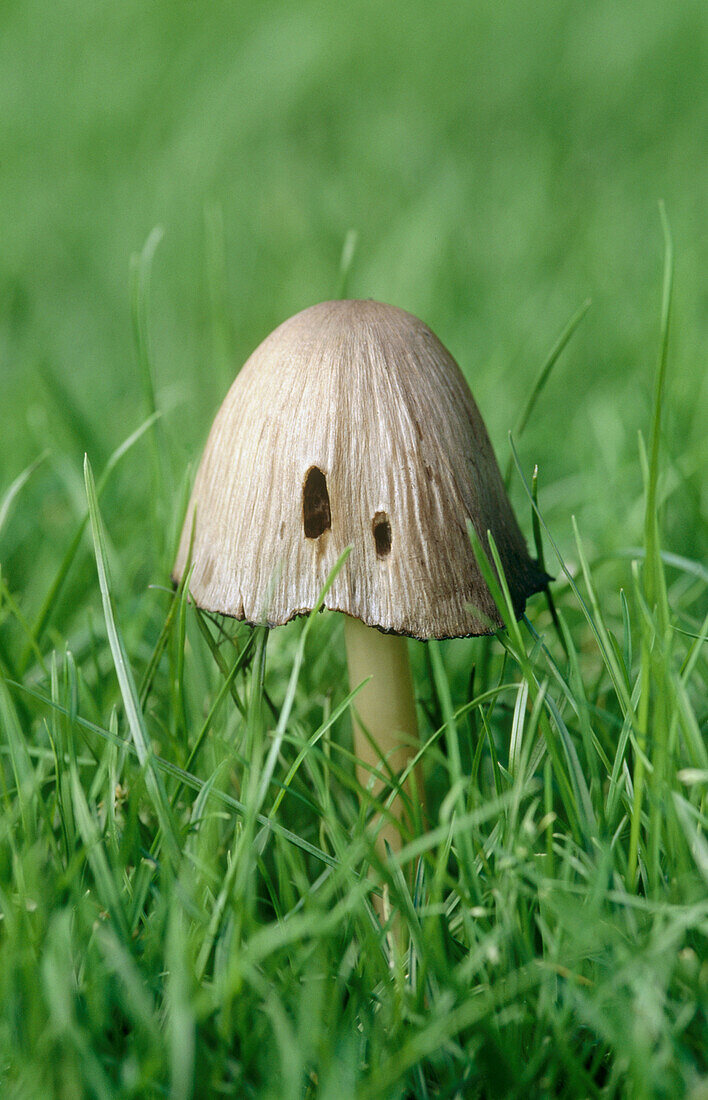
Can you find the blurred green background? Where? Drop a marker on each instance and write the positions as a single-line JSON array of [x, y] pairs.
[[501, 162]]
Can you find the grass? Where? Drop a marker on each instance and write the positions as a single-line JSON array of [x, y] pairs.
[[185, 908], [183, 889]]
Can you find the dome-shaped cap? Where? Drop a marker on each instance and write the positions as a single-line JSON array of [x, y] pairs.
[[352, 426]]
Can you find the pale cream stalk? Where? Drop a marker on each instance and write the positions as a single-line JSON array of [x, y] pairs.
[[385, 708]]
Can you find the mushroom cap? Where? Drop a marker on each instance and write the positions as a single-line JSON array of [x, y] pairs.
[[352, 426]]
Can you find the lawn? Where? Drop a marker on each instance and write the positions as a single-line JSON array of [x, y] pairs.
[[183, 913]]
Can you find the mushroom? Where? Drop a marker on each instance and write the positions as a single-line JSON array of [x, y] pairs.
[[352, 426]]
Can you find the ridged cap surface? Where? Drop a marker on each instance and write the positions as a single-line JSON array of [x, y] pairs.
[[351, 425]]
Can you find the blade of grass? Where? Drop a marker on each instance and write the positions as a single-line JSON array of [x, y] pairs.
[[286, 708], [544, 374], [16, 612], [140, 271], [597, 627], [538, 544], [654, 580], [458, 782], [338, 711], [216, 653], [654, 590], [108, 891], [225, 688], [499, 589], [676, 561], [347, 258], [17, 486], [50, 600], [129, 693], [22, 769]]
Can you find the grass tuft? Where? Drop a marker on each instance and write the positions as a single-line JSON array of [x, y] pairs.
[[185, 904]]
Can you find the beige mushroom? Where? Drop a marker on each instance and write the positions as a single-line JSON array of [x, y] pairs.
[[352, 426]]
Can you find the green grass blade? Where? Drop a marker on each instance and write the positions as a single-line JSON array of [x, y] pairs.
[[129, 693], [294, 676], [654, 581], [140, 272], [346, 261], [17, 486], [544, 374], [50, 600], [23, 771], [108, 891]]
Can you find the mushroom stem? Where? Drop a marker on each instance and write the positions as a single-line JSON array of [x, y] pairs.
[[385, 709]]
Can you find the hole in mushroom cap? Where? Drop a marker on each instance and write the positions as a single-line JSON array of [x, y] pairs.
[[316, 516], [382, 534]]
